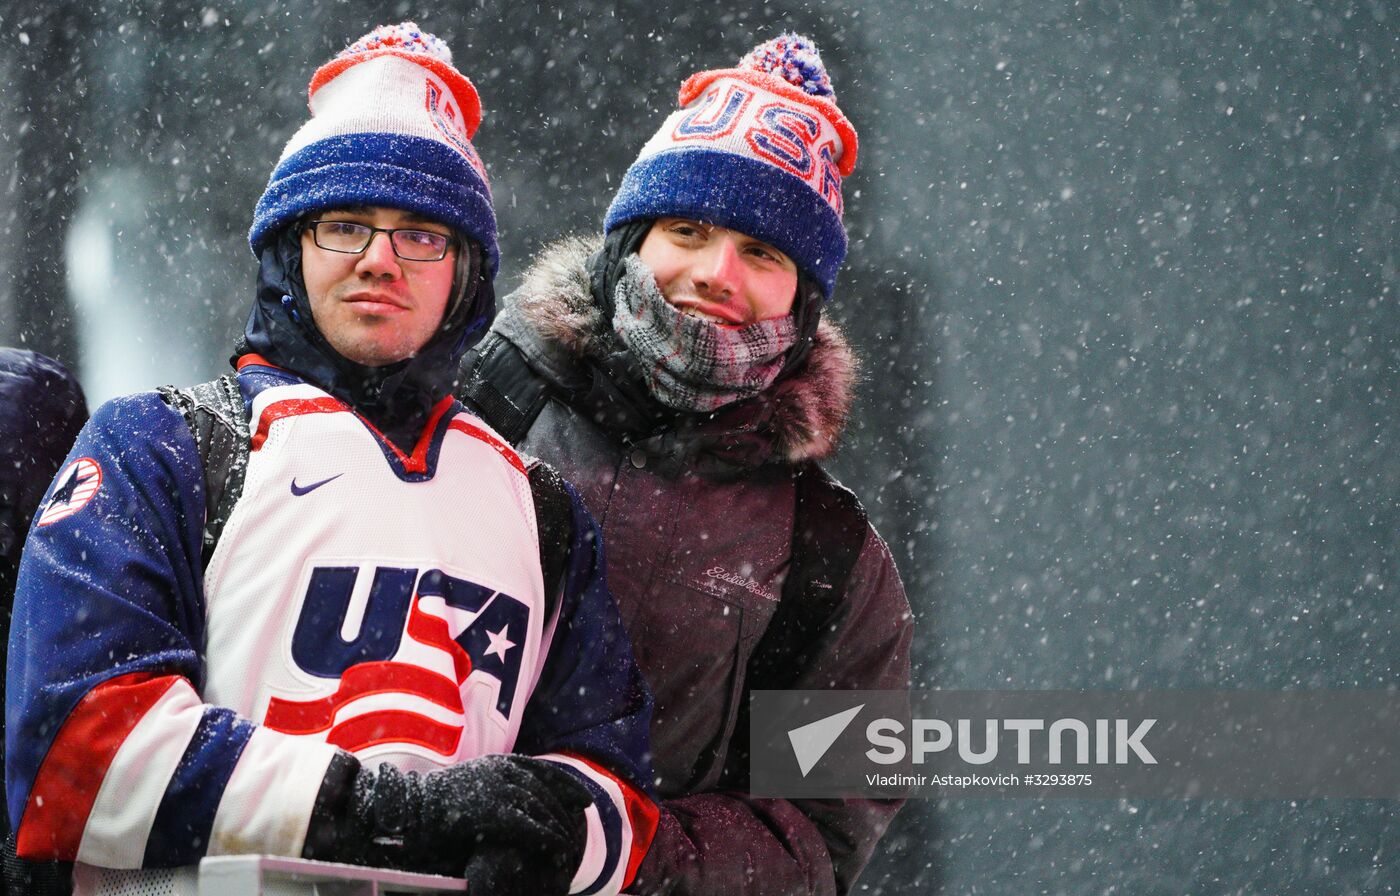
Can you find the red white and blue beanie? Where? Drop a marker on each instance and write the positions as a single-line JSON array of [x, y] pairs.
[[760, 148], [391, 125]]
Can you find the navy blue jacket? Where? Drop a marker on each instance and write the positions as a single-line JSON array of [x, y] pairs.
[[41, 410]]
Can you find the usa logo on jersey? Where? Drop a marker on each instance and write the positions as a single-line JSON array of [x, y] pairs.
[[77, 486], [403, 682]]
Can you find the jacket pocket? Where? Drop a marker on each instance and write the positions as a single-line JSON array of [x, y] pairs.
[[693, 647]]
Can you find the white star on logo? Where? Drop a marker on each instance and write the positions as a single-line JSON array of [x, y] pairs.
[[499, 643]]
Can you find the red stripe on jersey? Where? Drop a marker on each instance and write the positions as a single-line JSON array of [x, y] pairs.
[[253, 359], [365, 679], [418, 463], [395, 726], [431, 630], [293, 407], [642, 813], [77, 761], [477, 432]]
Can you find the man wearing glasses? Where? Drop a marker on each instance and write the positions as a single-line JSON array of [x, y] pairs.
[[336, 638]]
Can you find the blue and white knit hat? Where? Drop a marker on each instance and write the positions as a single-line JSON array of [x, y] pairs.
[[760, 148], [391, 125]]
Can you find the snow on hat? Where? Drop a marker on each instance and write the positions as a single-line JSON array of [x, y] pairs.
[[760, 148], [391, 125]]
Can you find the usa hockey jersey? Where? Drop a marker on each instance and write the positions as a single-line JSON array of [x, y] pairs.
[[390, 605]]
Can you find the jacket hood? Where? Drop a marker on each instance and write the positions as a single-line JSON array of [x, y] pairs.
[[41, 410], [555, 321], [398, 398]]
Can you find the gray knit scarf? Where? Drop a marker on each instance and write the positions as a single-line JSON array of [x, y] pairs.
[[691, 363]]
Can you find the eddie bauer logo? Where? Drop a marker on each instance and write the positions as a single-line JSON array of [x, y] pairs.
[[720, 574], [810, 742]]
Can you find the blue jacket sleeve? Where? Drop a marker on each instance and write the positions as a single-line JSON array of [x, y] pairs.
[[113, 757], [591, 711]]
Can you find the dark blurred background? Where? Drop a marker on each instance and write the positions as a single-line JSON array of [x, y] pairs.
[[1124, 276]]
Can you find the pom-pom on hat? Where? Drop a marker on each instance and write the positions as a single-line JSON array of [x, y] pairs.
[[391, 125], [760, 148]]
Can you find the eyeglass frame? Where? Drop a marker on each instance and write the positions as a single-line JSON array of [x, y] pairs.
[[316, 238]]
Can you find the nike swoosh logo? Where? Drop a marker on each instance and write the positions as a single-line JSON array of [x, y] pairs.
[[300, 490]]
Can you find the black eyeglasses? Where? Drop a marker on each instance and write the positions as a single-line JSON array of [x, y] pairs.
[[352, 238]]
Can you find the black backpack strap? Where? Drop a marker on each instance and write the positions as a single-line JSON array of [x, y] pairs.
[[218, 420], [829, 529], [498, 385], [554, 520]]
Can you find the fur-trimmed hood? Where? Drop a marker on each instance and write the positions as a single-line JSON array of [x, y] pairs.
[[554, 320]]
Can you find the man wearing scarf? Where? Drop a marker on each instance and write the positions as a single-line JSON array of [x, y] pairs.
[[389, 641], [681, 374]]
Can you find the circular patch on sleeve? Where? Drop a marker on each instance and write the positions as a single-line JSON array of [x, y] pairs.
[[77, 485]]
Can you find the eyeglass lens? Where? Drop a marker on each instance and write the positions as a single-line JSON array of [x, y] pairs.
[[412, 245]]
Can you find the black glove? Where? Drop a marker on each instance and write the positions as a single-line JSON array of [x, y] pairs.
[[436, 822], [505, 871]]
